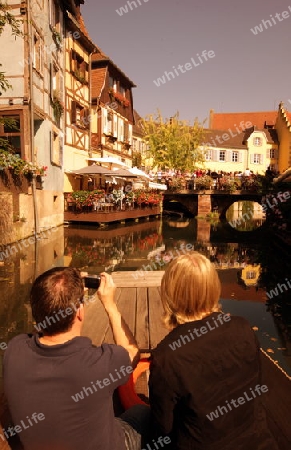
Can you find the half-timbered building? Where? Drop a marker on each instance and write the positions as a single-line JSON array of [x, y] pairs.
[[78, 54], [33, 65], [113, 110]]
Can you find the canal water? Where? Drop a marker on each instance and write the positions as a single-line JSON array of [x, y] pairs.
[[250, 265]]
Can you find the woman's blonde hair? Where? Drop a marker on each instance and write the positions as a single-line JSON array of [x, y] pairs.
[[190, 289]]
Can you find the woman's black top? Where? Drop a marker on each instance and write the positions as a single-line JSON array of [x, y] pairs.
[[205, 387]]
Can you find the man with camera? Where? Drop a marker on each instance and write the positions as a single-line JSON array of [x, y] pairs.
[[61, 377]]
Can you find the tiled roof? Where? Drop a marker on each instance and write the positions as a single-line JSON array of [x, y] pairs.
[[223, 121], [285, 115], [101, 57], [271, 134], [136, 129], [83, 27], [227, 139], [214, 138], [98, 77]]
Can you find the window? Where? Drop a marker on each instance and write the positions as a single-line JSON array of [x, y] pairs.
[[257, 141], [234, 157], [56, 83], [79, 115], [251, 275], [207, 155], [110, 122], [112, 83], [11, 132], [54, 14], [122, 90], [37, 53], [79, 68], [56, 149], [256, 158], [222, 155], [134, 144], [272, 153]]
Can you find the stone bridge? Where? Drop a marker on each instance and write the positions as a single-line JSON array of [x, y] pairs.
[[203, 202]]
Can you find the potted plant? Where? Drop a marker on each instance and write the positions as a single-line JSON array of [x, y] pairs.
[[57, 37], [58, 106]]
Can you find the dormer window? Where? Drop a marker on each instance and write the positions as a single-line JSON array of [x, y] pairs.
[[112, 83], [257, 141]]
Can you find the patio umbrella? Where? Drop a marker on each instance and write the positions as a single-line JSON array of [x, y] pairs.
[[93, 170], [123, 173], [139, 172], [109, 161]]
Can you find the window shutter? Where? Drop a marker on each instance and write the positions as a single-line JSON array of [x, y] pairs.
[[121, 130], [73, 111], [51, 81], [61, 144], [228, 155], [129, 132], [215, 154], [51, 142], [268, 155], [126, 131], [85, 117], [73, 61], [105, 120], [252, 159], [261, 159], [115, 125], [240, 157]]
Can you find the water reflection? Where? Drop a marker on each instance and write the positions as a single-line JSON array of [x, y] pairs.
[[122, 248], [245, 215], [248, 267]]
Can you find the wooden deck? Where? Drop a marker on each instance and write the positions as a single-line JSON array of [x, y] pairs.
[[138, 299], [110, 215]]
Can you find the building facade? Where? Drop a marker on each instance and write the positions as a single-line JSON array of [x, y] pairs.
[[78, 53], [36, 102], [241, 141], [112, 115], [283, 127]]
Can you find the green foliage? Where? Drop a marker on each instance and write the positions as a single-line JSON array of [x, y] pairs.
[[12, 161], [58, 106], [173, 144], [204, 182], [230, 184], [136, 159], [4, 85], [6, 18]]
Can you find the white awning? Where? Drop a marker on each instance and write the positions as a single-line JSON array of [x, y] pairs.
[[161, 187]]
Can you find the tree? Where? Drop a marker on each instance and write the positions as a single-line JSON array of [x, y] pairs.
[[172, 143], [6, 18]]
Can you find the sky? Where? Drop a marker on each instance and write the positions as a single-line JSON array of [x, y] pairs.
[[240, 69]]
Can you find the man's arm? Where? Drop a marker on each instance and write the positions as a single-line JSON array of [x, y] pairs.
[[121, 332]]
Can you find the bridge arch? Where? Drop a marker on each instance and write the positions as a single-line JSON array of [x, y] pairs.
[[219, 201]]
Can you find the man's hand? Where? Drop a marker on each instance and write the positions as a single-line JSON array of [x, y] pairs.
[[121, 332], [106, 290]]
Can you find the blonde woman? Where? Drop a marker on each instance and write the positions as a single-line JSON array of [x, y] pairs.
[[205, 384]]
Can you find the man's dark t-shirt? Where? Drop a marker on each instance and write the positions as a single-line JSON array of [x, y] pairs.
[[71, 386]]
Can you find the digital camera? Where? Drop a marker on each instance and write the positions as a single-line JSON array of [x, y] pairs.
[[92, 281]]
